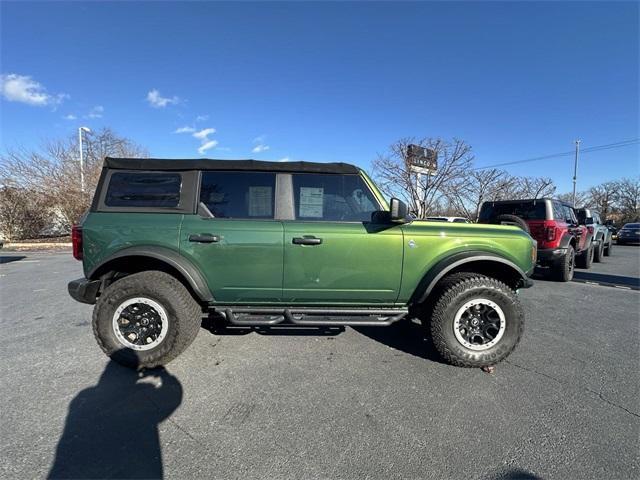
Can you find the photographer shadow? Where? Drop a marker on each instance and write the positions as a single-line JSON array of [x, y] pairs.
[[111, 429]]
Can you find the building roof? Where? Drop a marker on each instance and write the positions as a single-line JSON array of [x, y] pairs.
[[211, 164]]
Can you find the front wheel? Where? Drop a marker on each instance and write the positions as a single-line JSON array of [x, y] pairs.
[[608, 249], [477, 321], [146, 319], [598, 253]]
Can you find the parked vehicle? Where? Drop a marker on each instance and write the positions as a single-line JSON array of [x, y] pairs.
[[562, 242], [602, 241], [447, 219], [295, 243], [629, 233], [614, 231]]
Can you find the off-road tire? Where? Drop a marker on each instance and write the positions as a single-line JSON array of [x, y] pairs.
[[562, 271], [184, 314], [512, 220], [457, 290], [608, 249], [598, 253], [586, 258]]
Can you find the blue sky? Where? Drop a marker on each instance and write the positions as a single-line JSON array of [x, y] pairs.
[[330, 81]]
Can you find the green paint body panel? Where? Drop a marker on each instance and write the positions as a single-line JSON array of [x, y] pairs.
[[256, 261], [356, 264], [104, 234], [245, 266]]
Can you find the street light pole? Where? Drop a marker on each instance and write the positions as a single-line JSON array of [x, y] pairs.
[[80, 130], [575, 172]]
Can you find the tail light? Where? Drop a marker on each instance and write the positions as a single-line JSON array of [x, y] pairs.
[[590, 228], [551, 234], [76, 241]]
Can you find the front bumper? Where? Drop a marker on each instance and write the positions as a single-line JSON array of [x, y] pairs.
[[83, 290], [550, 256]]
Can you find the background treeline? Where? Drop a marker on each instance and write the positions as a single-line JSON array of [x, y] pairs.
[[40, 191]]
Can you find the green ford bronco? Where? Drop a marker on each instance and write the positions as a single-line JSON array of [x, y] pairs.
[[293, 243]]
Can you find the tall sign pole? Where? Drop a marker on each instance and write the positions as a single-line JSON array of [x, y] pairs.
[[421, 161], [575, 171]]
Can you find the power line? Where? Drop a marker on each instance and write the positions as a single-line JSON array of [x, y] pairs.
[[595, 148]]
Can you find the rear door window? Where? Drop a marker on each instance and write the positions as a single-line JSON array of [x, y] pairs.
[[143, 189], [248, 195]]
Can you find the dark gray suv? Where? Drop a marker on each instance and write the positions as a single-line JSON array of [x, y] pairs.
[[602, 241]]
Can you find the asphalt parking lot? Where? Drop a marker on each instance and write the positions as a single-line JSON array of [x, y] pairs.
[[353, 403]]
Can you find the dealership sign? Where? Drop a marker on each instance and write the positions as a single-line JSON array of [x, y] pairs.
[[422, 160]]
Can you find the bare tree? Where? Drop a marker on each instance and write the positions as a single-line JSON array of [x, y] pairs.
[[603, 198], [53, 171], [628, 199], [582, 198], [423, 193], [532, 187], [22, 214], [467, 193]]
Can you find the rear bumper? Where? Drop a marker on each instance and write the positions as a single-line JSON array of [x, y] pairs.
[[550, 256], [83, 290]]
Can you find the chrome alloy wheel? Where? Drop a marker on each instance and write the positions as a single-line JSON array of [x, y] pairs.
[[140, 323], [479, 324]]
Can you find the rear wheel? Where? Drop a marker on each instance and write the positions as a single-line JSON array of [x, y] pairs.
[[145, 320], [598, 253], [476, 321], [563, 270], [585, 259]]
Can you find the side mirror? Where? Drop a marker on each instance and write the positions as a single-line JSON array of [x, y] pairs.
[[398, 210]]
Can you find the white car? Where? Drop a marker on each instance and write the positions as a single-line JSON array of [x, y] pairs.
[[447, 219]]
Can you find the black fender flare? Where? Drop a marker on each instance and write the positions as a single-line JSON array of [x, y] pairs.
[[188, 270], [566, 240], [447, 264]]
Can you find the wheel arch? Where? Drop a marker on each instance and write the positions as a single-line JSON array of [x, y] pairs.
[[137, 259], [483, 263]]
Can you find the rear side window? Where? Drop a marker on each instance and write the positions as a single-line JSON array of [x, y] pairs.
[[332, 198], [558, 212], [524, 210], [143, 189], [239, 194]]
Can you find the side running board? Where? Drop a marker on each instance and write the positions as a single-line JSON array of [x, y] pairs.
[[257, 316]]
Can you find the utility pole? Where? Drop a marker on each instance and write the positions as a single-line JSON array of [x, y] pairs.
[[80, 130], [575, 172]]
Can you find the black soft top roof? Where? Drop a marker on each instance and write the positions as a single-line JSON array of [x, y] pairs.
[[210, 164]]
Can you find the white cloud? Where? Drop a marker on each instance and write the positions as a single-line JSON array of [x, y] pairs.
[[261, 145], [205, 142], [202, 118], [206, 146], [23, 89], [185, 129], [285, 159], [71, 116], [203, 134], [158, 101], [260, 148], [96, 112]]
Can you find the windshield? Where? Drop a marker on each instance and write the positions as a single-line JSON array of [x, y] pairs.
[[630, 226]]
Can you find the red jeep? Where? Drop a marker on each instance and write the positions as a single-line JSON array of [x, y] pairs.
[[562, 241]]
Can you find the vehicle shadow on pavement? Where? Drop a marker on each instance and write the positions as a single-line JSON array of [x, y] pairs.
[[624, 281], [406, 336], [111, 429], [11, 258]]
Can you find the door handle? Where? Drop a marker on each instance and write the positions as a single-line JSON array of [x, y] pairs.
[[204, 238], [306, 240]]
